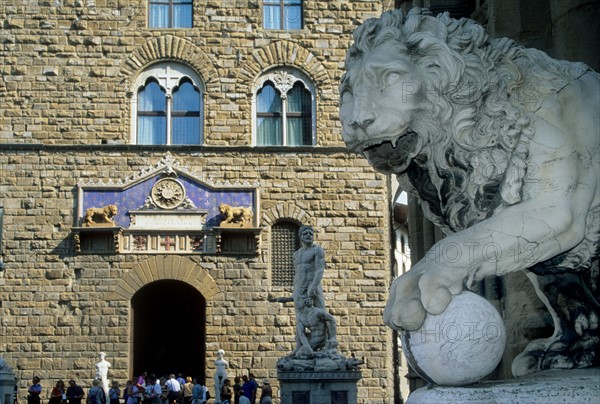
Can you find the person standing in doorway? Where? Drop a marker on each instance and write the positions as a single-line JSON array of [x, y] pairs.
[[237, 386], [199, 392], [153, 391], [253, 388], [34, 391], [226, 392], [188, 390], [114, 393], [267, 393], [74, 392], [58, 394], [133, 391], [96, 393], [243, 399], [173, 389]]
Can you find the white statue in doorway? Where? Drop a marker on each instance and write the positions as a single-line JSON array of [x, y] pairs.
[[102, 372], [220, 374]]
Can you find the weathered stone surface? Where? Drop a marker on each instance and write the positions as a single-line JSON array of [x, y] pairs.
[[573, 386]]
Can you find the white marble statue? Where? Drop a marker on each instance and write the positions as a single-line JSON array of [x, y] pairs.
[[102, 372], [501, 145], [316, 329], [220, 374]]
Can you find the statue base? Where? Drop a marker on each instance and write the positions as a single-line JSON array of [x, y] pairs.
[[552, 386], [310, 387]]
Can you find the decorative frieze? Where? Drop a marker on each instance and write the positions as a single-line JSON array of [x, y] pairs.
[[167, 210], [157, 242]]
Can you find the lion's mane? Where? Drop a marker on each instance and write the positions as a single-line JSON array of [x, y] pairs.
[[481, 94]]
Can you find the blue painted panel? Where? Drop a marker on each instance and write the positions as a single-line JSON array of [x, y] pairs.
[[135, 196]]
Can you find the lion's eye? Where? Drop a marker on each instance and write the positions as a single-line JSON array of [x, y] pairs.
[[346, 96], [392, 78]]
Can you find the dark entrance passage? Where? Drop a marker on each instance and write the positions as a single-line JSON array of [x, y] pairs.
[[169, 320]]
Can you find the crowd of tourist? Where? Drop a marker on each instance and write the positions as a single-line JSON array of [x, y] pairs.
[[148, 389]]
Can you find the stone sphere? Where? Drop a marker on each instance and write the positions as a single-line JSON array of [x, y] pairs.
[[460, 346]]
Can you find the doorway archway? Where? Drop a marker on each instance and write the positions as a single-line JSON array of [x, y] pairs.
[[172, 268], [169, 333]]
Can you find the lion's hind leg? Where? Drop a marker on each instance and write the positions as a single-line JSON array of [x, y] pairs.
[[576, 337]]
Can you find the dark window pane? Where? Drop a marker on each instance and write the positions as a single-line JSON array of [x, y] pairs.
[[186, 130], [268, 105], [170, 14], [299, 99], [299, 107], [186, 98], [299, 132], [268, 99], [292, 18], [152, 129], [152, 98], [272, 17], [152, 122], [158, 15], [269, 131], [182, 16]]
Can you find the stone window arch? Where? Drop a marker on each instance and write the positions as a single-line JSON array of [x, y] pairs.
[[167, 105], [284, 109]]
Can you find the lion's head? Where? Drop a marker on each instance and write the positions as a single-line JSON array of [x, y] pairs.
[[224, 208], [440, 103], [110, 211]]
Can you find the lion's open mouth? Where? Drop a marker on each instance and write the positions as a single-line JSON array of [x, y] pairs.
[[371, 144], [391, 155]]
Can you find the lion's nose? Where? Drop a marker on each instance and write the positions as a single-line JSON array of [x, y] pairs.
[[362, 118], [363, 114]]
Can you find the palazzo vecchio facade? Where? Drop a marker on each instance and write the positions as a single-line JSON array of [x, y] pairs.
[[167, 109]]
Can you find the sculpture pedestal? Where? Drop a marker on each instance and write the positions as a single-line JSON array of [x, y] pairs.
[[552, 386], [308, 387], [7, 383]]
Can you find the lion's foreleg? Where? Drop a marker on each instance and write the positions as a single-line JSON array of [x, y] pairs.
[[514, 239]]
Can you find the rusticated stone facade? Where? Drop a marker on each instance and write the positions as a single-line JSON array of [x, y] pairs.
[[67, 69]]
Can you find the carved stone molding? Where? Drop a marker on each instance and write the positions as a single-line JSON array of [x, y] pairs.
[[168, 193]]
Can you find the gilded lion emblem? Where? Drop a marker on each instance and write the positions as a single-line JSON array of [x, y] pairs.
[[100, 216], [501, 145], [235, 215]]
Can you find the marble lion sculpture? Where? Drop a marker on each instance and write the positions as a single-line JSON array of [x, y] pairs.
[[100, 216], [231, 214], [501, 145]]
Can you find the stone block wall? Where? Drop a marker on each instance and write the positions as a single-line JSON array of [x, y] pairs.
[[66, 70], [67, 65], [59, 309]]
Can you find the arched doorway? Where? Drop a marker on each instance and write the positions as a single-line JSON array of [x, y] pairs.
[[169, 332]]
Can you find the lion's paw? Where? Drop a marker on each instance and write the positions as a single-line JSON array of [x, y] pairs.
[[556, 353], [418, 292], [404, 309]]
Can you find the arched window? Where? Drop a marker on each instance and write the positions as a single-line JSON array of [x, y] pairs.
[[284, 241], [167, 105], [269, 115], [284, 106]]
